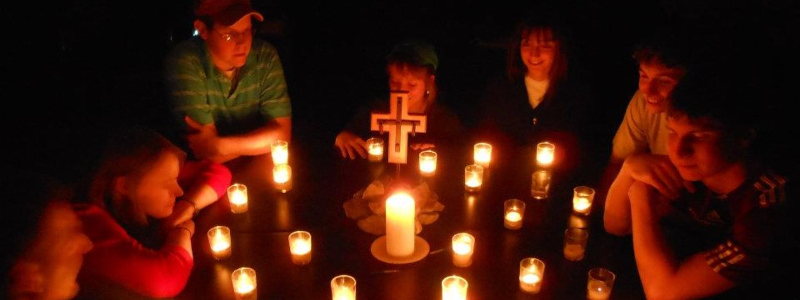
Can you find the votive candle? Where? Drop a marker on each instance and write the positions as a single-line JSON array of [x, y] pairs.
[[545, 152], [280, 152], [463, 246], [514, 210], [482, 154], [427, 163], [454, 288], [300, 247], [531, 273], [282, 176], [237, 197], [343, 287], [244, 284], [375, 149], [473, 178], [600, 283], [219, 239], [582, 200]]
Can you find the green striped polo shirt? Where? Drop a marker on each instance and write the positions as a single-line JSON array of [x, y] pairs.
[[199, 90]]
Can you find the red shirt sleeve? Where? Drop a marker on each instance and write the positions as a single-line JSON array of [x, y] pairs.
[[198, 172], [121, 259]]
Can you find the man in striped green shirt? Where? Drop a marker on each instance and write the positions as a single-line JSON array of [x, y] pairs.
[[227, 88]]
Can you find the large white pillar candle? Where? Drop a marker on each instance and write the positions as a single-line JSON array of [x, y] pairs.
[[400, 231]]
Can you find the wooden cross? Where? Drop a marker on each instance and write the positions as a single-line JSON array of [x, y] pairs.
[[399, 123]]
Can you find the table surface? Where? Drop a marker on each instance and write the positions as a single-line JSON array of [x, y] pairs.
[[321, 184]]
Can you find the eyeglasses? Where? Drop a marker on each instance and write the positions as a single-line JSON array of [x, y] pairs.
[[235, 36]]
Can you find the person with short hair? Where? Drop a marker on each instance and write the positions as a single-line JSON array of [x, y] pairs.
[[226, 87]]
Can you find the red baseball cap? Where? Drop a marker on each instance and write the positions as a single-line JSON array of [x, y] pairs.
[[227, 12]]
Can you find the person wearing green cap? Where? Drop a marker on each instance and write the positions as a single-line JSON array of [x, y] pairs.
[[411, 66]]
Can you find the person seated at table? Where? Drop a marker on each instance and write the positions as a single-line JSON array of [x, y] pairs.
[[227, 88], [43, 238], [411, 66], [134, 188], [728, 233], [541, 96]]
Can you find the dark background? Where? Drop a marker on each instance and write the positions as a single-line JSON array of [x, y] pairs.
[[74, 68]]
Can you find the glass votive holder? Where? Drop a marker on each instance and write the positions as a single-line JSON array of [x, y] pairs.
[[482, 154], [600, 283], [575, 243], [300, 247], [514, 211], [375, 149], [473, 178], [531, 274], [427, 163], [280, 152], [463, 245], [244, 284], [343, 287], [219, 239], [237, 197], [282, 177], [545, 152], [582, 198], [454, 288], [540, 184]]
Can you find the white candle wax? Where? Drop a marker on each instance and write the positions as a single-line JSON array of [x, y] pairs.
[[597, 290], [344, 293], [530, 282], [280, 152], [220, 245], [301, 251], [513, 220], [244, 284], [400, 230], [462, 249], [237, 196], [482, 154], [581, 205], [544, 154]]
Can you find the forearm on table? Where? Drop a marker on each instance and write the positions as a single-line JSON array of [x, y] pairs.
[[617, 210], [257, 142], [656, 263]]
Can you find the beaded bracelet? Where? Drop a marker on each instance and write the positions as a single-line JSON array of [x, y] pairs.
[[194, 206]]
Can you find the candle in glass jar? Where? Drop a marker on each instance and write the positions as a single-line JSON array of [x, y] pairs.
[[454, 288], [280, 152], [463, 245], [244, 284], [282, 176], [237, 197], [400, 227], [375, 149], [545, 152], [343, 287], [482, 154], [514, 212], [300, 247], [531, 272], [582, 200], [427, 163], [600, 283], [473, 178], [219, 238]]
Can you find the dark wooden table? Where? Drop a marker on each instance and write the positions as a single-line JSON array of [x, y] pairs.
[[322, 183]]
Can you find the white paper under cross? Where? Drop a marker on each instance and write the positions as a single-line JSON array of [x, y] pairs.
[[399, 123]]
